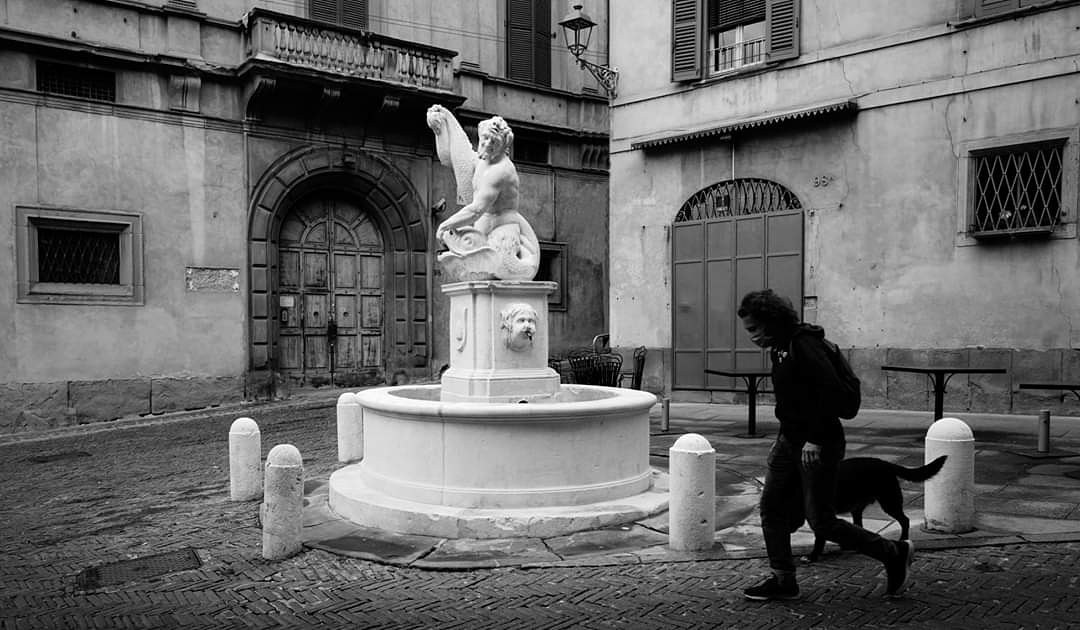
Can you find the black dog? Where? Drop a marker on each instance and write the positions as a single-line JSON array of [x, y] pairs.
[[862, 480]]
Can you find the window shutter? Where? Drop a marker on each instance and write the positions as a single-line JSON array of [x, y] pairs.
[[519, 40], [542, 42], [725, 14], [781, 29], [324, 10], [354, 14], [686, 52], [986, 8]]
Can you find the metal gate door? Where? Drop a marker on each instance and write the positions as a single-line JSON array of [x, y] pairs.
[[330, 291], [732, 238]]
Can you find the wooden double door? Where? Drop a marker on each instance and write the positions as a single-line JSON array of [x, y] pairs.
[[330, 294]]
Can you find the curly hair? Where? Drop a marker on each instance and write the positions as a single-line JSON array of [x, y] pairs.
[[497, 126], [771, 309]]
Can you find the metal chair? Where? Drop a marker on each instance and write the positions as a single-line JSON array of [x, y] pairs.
[[582, 365], [607, 370], [635, 376]]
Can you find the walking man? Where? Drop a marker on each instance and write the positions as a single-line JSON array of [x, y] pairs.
[[800, 481]]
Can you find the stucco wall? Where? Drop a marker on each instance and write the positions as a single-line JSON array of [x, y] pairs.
[[187, 184], [880, 238], [885, 255]]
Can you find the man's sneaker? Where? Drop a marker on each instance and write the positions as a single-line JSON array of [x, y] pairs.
[[896, 570], [773, 588]]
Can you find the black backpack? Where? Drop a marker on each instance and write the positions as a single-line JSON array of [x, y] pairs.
[[849, 397]]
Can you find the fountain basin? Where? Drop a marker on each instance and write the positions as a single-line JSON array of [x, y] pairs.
[[578, 459]]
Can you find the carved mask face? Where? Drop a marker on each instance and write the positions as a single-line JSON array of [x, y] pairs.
[[520, 325]]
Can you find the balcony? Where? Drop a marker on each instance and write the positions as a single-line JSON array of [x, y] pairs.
[[289, 48]]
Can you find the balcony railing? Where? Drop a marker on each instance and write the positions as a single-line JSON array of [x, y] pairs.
[[325, 48]]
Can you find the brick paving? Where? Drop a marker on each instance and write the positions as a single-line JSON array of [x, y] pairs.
[[104, 496]]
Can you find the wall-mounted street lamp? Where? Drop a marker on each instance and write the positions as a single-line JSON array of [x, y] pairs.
[[577, 30]]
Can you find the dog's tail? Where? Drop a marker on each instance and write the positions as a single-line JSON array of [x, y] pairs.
[[921, 473]]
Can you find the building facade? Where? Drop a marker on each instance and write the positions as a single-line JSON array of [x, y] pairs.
[[215, 200], [905, 172]]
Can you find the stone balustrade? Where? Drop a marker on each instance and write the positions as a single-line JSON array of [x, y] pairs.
[[304, 44]]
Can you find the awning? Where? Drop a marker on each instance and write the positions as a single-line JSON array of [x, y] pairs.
[[741, 124]]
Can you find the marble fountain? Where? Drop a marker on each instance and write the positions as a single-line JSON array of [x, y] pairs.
[[499, 448]]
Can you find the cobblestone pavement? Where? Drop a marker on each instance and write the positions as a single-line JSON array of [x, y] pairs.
[[90, 499]]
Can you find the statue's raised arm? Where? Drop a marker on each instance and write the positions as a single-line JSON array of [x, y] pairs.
[[487, 238], [454, 149]]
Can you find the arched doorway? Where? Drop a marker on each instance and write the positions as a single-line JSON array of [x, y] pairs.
[[330, 293], [337, 234], [728, 239]]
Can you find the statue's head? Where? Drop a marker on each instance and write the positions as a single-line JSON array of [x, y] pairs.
[[496, 138], [519, 326]]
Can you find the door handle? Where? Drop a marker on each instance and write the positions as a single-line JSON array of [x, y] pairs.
[[331, 331]]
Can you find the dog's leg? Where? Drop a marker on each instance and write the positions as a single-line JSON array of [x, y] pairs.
[[892, 503]]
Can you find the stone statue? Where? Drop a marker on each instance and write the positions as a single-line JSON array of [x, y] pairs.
[[487, 239], [519, 326]]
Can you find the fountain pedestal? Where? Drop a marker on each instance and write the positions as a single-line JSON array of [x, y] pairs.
[[483, 367]]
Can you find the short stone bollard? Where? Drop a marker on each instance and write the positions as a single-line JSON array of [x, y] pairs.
[[350, 428], [283, 503], [245, 460], [949, 503], [692, 503]]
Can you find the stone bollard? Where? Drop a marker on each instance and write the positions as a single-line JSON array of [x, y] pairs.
[[692, 507], [949, 502], [283, 503], [665, 415], [350, 428], [245, 459]]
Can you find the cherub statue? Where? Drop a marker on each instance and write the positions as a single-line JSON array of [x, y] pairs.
[[487, 238]]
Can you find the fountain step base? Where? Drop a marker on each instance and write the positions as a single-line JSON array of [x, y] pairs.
[[353, 500]]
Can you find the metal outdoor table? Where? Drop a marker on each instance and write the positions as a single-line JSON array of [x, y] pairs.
[[752, 378], [940, 375], [1061, 387]]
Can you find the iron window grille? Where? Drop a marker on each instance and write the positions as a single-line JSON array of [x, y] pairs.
[[77, 254], [1017, 190], [737, 197], [68, 80]]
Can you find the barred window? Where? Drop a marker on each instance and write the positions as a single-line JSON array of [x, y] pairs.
[[79, 257], [1016, 189], [78, 254], [68, 80]]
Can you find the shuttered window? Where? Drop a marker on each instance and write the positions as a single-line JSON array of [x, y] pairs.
[[528, 41], [715, 36], [347, 13]]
